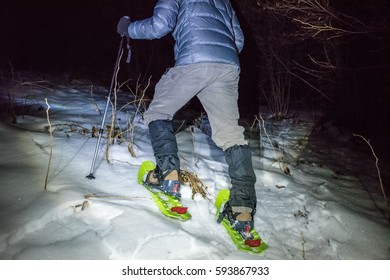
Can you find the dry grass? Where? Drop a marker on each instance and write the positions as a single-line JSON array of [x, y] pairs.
[[195, 183], [279, 154]]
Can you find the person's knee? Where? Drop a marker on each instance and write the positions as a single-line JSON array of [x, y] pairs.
[[228, 140]]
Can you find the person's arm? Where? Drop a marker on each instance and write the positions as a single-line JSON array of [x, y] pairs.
[[160, 24]]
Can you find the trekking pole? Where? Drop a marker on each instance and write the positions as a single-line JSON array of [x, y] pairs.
[[90, 176]]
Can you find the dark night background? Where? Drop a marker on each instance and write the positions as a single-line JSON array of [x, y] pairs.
[[78, 39]]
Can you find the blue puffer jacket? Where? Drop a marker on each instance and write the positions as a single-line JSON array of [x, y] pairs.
[[204, 30]]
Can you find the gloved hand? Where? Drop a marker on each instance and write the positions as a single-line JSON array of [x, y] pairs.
[[123, 25]]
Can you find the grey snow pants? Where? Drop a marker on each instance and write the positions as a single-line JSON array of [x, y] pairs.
[[216, 86]]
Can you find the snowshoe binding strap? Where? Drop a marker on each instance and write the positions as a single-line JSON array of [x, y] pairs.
[[242, 227], [224, 213], [153, 179], [171, 187]]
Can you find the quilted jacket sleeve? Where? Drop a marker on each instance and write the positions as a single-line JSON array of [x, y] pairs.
[[160, 24]]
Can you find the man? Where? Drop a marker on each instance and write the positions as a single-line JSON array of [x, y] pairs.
[[208, 39]]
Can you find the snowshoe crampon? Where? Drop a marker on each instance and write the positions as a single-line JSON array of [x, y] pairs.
[[254, 244], [169, 205]]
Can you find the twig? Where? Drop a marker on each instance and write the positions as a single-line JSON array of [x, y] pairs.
[[378, 172], [300, 78], [51, 143], [112, 128], [256, 120], [37, 84], [93, 195], [132, 123], [283, 166], [83, 206], [94, 102]]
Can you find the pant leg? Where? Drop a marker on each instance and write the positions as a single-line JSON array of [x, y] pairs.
[[220, 102], [175, 88]]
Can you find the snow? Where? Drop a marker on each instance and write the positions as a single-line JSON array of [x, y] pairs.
[[320, 208]]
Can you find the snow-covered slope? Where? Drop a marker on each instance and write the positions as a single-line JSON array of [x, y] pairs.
[[318, 208]]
